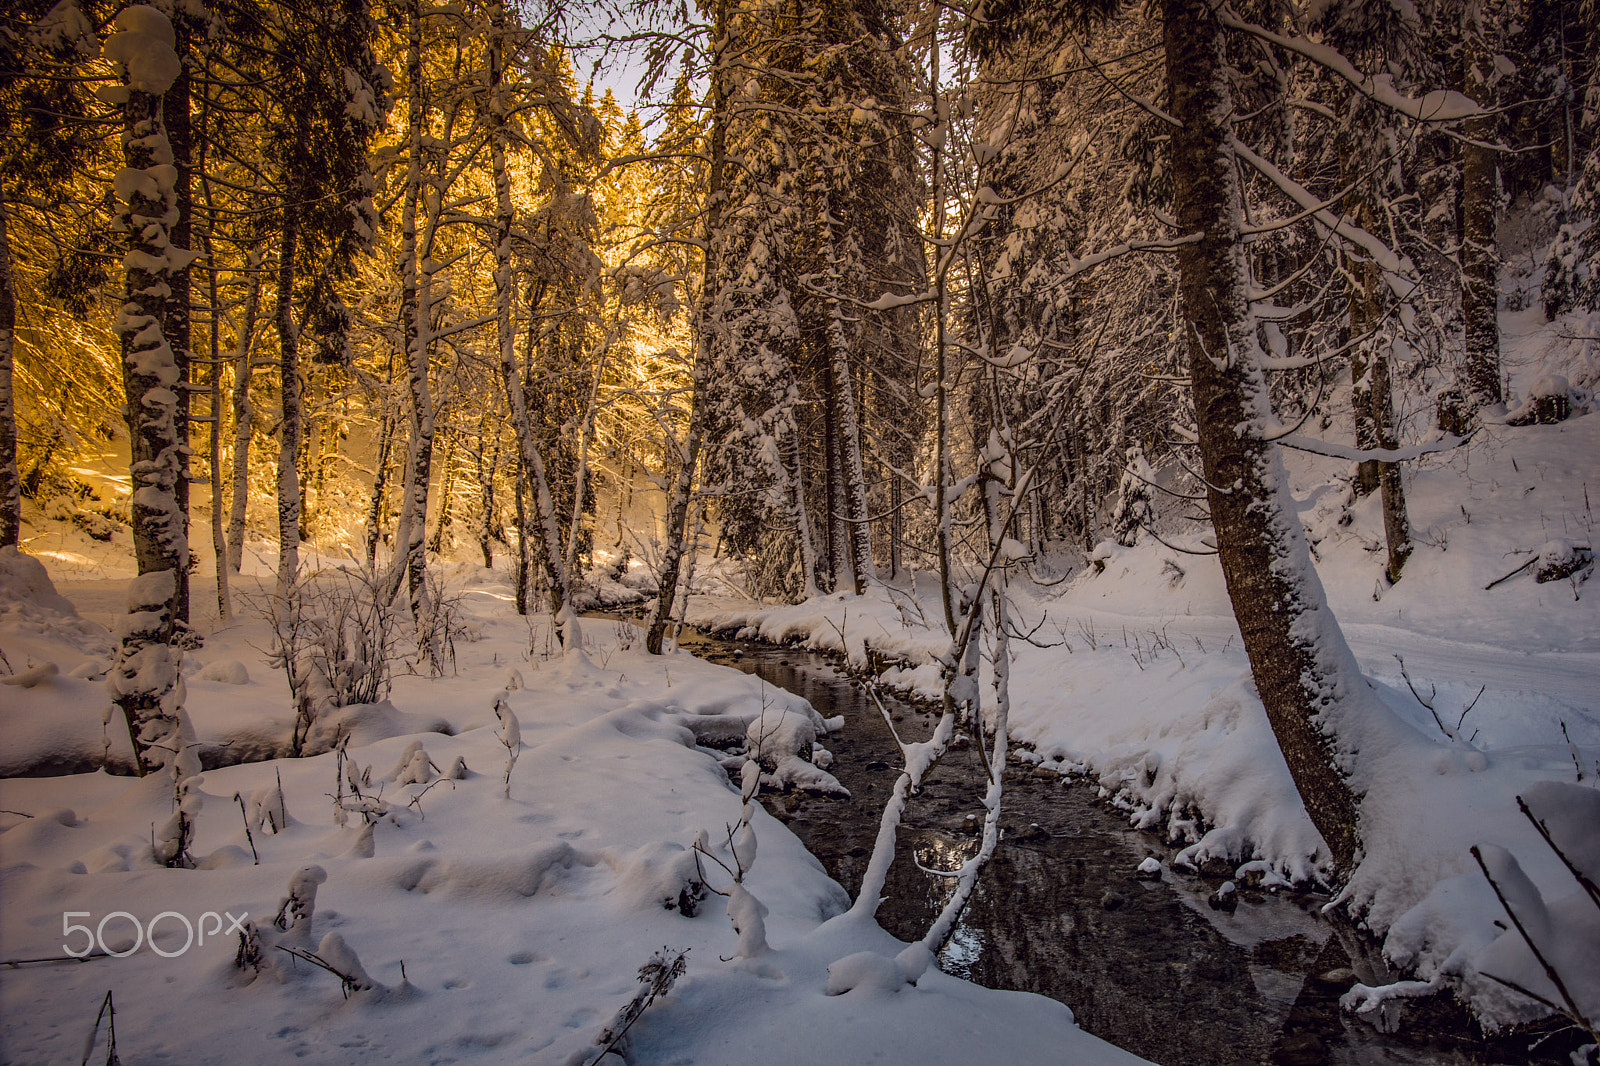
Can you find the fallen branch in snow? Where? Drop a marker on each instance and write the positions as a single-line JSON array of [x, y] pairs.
[[14, 963], [1363, 999], [656, 977], [1511, 575], [1360, 455]]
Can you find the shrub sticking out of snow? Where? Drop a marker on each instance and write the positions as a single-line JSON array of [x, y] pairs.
[[748, 916], [509, 734], [298, 908], [339, 957], [745, 912], [414, 767], [656, 978]]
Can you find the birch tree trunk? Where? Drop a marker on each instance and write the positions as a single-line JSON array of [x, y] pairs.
[[144, 681], [1304, 672], [416, 326]]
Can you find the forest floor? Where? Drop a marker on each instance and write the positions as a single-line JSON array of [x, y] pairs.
[[493, 928]]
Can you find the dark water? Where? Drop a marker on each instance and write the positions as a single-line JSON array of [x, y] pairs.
[[1145, 964]]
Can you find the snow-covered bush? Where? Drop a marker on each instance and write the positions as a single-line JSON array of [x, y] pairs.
[[334, 639]]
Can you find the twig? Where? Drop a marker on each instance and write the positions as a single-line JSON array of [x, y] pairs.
[[1572, 749], [1513, 573], [13, 963], [416, 801], [657, 977], [108, 1011], [1582, 878], [1433, 692], [1468, 709], [1572, 1012], [245, 814], [348, 983]]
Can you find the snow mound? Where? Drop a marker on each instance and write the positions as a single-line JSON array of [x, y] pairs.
[[227, 671], [25, 586], [778, 733]]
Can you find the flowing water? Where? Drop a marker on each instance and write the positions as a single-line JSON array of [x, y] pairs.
[[1146, 964]]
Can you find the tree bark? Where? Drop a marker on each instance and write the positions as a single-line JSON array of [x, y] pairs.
[[243, 415], [852, 480], [380, 486], [290, 413], [10, 480], [531, 473], [411, 563], [1302, 668], [178, 322], [1480, 202], [680, 490], [144, 681]]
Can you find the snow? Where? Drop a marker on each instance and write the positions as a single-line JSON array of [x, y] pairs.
[[143, 44], [1137, 682], [467, 926]]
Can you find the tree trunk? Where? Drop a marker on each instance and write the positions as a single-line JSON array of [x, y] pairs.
[[10, 480], [289, 426], [689, 455], [530, 468], [380, 486], [1480, 202], [243, 415], [1396, 523], [446, 491], [177, 324], [853, 492], [1303, 671], [144, 682], [416, 326]]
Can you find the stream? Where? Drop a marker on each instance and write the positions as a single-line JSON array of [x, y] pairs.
[[1146, 964]]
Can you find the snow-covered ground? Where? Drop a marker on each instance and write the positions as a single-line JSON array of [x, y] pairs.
[[491, 929], [496, 929], [1136, 676]]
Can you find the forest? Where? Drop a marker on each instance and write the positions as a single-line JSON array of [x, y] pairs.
[[1189, 404]]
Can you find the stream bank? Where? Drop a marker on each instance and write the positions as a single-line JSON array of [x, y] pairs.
[[1144, 963]]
